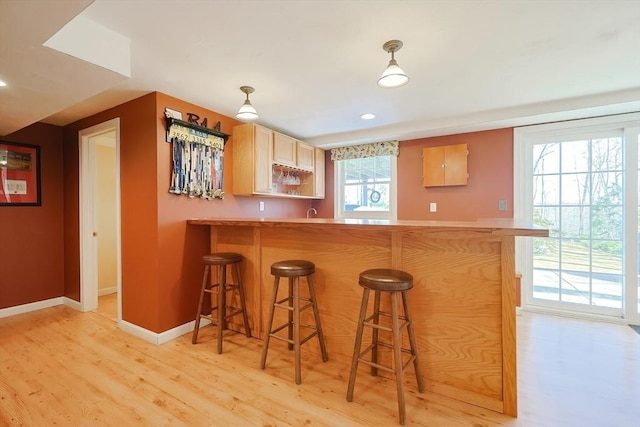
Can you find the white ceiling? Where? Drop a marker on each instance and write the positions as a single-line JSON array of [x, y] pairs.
[[473, 64]]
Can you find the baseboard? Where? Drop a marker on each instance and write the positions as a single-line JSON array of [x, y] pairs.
[[72, 303], [575, 315], [107, 291], [32, 306], [159, 338]]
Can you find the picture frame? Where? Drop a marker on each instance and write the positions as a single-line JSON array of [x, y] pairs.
[[19, 174]]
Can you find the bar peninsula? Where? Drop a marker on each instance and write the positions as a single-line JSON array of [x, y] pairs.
[[462, 302]]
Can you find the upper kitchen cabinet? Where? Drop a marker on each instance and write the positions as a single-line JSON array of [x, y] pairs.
[[252, 154], [270, 163], [305, 154], [284, 150], [288, 151], [445, 165]]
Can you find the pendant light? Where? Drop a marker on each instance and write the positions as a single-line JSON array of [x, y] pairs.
[[393, 76], [247, 112]]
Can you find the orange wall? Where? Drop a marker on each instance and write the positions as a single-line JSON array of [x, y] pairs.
[[490, 166], [31, 237]]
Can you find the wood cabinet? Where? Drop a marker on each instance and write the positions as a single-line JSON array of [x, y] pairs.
[[252, 154], [271, 163], [288, 151], [284, 149], [318, 173], [445, 165], [305, 154]]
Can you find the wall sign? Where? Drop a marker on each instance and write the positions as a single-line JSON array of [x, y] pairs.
[[19, 174]]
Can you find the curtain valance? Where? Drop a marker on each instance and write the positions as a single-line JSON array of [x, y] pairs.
[[385, 148]]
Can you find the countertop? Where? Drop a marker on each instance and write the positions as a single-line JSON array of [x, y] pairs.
[[495, 226]]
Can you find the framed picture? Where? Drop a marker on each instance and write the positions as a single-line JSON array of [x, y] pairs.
[[19, 174]]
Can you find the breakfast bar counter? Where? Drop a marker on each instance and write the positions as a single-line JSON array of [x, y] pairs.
[[463, 299]]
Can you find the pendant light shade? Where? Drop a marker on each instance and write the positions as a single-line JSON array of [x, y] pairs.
[[246, 111], [393, 75]]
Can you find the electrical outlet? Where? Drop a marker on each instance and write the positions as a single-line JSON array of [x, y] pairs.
[[433, 207], [261, 206], [502, 205]]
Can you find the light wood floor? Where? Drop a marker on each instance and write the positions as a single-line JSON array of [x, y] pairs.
[[66, 368]]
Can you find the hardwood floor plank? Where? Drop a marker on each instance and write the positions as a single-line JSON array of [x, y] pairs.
[[66, 368]]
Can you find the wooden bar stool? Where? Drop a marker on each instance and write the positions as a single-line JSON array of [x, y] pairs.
[[396, 283], [294, 270], [221, 260]]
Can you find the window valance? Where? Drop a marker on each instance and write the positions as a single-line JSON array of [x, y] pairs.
[[385, 148]]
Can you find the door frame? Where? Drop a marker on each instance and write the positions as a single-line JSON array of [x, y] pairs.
[[523, 182], [88, 241]]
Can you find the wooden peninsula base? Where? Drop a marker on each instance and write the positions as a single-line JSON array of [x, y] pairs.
[[463, 300]]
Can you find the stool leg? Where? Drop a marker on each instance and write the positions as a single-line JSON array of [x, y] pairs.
[[316, 314], [412, 342], [374, 333], [358, 344], [272, 307], [194, 339], [296, 328], [397, 355], [222, 304], [243, 302], [290, 314]]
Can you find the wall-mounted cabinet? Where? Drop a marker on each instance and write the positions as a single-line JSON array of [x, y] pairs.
[[252, 154], [270, 163], [445, 165], [288, 151]]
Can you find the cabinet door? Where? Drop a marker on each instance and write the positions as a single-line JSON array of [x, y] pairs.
[[432, 166], [318, 174], [284, 149], [455, 158], [305, 156], [446, 165], [262, 160]]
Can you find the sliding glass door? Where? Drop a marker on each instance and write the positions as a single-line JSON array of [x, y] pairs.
[[580, 180]]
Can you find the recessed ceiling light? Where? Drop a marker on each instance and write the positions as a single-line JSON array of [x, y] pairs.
[[368, 116], [2, 83]]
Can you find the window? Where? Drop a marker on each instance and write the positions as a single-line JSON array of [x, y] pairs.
[[365, 183]]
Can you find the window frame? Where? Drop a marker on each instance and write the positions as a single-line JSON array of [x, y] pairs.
[[339, 171]]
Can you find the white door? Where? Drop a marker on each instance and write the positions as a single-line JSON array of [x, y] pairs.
[[580, 180], [93, 213]]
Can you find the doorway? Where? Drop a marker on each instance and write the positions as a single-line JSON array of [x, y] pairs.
[[100, 253], [580, 180]]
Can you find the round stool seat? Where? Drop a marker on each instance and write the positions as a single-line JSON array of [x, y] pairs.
[[222, 258], [293, 268], [386, 279]]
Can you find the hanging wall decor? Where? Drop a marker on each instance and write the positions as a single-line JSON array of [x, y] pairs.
[[198, 154]]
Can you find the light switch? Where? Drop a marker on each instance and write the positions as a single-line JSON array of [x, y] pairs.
[[433, 207], [261, 206], [502, 205]]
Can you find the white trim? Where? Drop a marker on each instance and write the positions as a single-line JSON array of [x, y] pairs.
[[88, 244], [578, 315], [71, 303], [163, 337], [107, 291], [338, 205], [32, 306]]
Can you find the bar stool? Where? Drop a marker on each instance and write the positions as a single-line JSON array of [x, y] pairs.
[[294, 270], [396, 283], [221, 260]]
